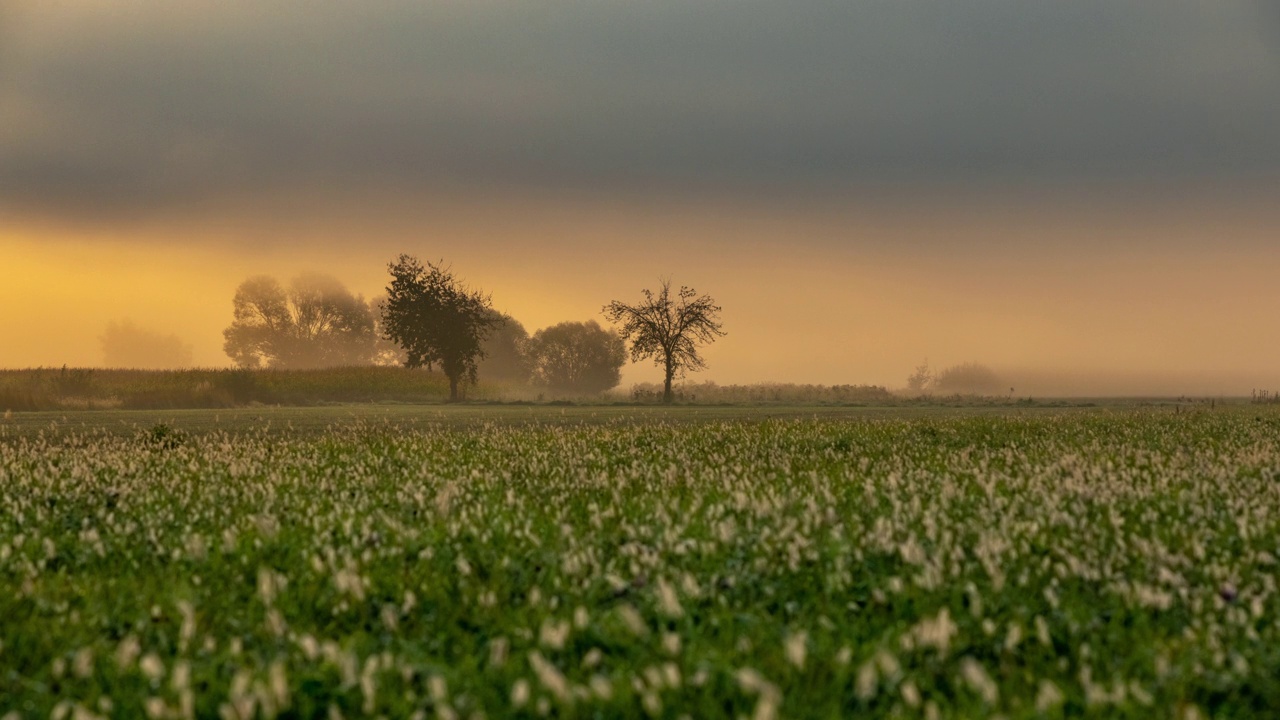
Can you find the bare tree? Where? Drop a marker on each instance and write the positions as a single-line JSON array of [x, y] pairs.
[[668, 329]]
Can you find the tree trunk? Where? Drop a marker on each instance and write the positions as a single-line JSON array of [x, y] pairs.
[[453, 389], [667, 397]]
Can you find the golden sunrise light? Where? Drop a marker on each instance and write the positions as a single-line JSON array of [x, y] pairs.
[[145, 175], [801, 359]]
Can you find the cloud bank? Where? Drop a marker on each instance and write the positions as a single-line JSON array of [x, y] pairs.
[[127, 107]]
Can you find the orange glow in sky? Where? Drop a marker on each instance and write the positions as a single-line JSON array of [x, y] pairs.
[[1155, 292]]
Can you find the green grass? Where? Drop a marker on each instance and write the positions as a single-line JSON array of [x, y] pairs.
[[615, 562], [304, 421]]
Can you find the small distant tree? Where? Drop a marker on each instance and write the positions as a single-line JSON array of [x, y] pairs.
[[668, 329], [315, 322], [436, 320], [970, 377], [577, 357], [918, 381], [125, 345]]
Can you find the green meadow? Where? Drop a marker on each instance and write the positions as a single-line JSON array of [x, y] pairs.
[[604, 561]]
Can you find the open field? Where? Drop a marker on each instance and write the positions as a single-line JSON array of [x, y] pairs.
[[311, 420], [495, 561], [73, 389]]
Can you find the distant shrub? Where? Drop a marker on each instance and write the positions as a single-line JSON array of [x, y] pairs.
[[968, 378], [162, 436]]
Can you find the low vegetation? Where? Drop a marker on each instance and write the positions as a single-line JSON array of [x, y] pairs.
[[768, 394], [89, 389], [84, 388], [1082, 564]]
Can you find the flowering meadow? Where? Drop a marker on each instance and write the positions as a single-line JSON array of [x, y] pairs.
[[1100, 564]]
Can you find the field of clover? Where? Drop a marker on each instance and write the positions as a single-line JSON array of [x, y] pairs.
[[1101, 564]]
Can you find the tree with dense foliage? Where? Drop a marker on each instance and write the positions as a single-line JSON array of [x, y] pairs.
[[668, 329], [315, 322], [436, 320], [577, 357], [506, 351]]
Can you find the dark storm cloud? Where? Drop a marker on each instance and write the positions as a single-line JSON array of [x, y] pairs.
[[135, 105]]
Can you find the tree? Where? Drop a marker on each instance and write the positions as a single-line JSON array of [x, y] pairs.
[[125, 345], [920, 378], [436, 320], [969, 377], [506, 351], [668, 329], [577, 357], [315, 323]]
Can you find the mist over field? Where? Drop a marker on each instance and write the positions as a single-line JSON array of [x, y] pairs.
[[1080, 197], [1126, 301]]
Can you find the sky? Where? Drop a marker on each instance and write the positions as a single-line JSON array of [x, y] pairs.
[[1080, 195]]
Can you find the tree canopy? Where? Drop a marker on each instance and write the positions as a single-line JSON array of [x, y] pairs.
[[125, 345], [506, 352], [577, 357], [436, 320], [315, 322], [668, 329]]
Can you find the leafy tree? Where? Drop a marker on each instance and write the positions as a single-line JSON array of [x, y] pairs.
[[668, 329], [316, 322], [577, 357], [436, 320], [125, 345], [506, 351]]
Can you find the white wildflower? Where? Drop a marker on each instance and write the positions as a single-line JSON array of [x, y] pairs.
[[668, 602], [796, 645]]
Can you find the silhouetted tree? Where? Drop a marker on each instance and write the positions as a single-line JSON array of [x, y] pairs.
[[436, 320], [316, 322], [125, 345], [506, 351], [668, 329], [920, 378], [577, 357]]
